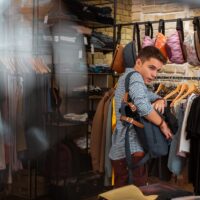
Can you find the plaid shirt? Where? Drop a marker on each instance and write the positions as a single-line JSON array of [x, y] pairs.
[[142, 98]]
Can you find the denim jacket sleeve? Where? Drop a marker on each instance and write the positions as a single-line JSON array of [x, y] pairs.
[[140, 95]]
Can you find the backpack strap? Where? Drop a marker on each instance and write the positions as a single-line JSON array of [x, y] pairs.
[[127, 142], [127, 80]]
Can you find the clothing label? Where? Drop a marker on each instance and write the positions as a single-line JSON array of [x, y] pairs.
[[80, 54], [47, 38], [85, 41], [92, 49], [68, 39], [56, 38], [46, 19]]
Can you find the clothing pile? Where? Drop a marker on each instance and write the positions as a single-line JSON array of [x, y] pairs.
[[100, 40], [76, 117], [89, 12], [99, 68]]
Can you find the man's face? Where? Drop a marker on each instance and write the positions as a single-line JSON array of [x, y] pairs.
[[148, 69]]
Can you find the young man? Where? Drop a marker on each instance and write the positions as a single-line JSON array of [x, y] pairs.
[[148, 63]]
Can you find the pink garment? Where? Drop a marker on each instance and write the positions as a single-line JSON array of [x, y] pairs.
[[190, 49], [148, 41], [175, 53]]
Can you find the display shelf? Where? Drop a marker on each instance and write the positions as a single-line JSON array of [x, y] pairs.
[[66, 124]]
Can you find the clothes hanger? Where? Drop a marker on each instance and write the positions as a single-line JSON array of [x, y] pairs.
[[176, 90], [192, 88], [184, 88], [160, 87]]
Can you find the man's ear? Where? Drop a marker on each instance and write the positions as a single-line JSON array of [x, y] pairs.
[[138, 62]]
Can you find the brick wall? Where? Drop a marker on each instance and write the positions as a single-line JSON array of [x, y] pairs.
[[154, 10], [144, 10], [124, 14]]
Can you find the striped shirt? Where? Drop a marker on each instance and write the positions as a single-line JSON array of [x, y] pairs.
[[142, 98]]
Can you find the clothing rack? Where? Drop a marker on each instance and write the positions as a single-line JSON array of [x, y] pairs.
[[154, 22], [178, 77]]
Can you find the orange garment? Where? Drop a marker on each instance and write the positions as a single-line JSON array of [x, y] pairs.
[[114, 121], [160, 43]]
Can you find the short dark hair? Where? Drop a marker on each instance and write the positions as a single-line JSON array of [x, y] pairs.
[[151, 52]]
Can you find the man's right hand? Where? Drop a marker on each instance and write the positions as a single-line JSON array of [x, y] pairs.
[[166, 131]]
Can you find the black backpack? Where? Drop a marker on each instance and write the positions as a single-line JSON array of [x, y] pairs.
[[151, 138]]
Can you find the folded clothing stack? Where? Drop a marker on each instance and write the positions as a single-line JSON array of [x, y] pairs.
[[100, 40], [99, 68], [91, 90], [89, 12], [76, 117]]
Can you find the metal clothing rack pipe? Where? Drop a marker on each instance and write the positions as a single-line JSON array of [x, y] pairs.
[[153, 22], [178, 77]]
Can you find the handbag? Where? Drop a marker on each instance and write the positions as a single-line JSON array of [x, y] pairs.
[[197, 36], [118, 60], [174, 43], [161, 39], [130, 50], [148, 38], [189, 44]]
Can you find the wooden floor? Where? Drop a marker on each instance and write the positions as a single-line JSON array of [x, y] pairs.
[[180, 182]]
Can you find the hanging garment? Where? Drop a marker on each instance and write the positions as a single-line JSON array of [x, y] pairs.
[[190, 49], [98, 132], [184, 145], [175, 43], [2, 147], [148, 38], [193, 134], [107, 164], [175, 162]]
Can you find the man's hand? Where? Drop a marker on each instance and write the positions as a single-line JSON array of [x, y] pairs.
[[159, 105], [166, 131]]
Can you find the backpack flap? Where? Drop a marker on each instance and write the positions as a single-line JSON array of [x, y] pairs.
[[155, 141]]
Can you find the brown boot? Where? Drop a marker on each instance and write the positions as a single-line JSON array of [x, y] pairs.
[[121, 171], [140, 173]]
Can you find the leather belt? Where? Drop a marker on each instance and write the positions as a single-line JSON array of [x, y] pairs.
[[131, 121]]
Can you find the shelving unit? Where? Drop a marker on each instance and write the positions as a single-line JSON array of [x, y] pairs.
[[55, 126]]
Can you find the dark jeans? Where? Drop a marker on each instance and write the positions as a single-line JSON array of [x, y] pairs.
[[121, 171]]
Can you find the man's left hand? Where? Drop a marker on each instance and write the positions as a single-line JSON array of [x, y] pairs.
[[159, 105]]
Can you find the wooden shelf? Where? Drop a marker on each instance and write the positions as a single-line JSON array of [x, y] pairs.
[[66, 124], [103, 50], [92, 73], [93, 97]]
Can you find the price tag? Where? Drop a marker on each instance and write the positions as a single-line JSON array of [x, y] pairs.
[[46, 19], [85, 41], [92, 49], [56, 38], [80, 54]]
